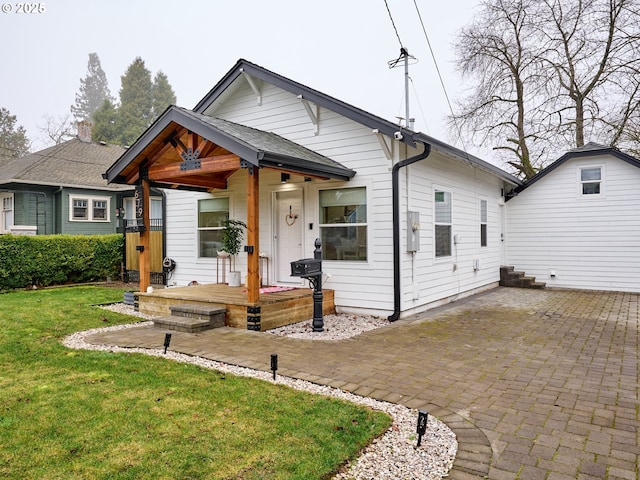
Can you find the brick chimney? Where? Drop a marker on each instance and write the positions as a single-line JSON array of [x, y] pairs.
[[84, 131]]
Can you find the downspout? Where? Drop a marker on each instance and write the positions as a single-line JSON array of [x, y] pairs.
[[395, 188]]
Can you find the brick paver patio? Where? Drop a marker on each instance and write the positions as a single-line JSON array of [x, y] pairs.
[[536, 384]]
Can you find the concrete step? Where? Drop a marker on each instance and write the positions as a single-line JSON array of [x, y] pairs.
[[192, 318], [182, 324], [511, 278], [195, 310]]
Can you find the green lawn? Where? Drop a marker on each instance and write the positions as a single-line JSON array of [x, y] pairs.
[[86, 414]]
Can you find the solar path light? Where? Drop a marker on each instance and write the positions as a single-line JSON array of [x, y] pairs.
[[167, 341], [274, 364], [423, 418]]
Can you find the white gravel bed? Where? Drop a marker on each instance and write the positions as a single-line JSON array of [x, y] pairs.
[[336, 327], [392, 456]]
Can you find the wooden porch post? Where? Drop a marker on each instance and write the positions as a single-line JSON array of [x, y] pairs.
[[253, 237], [145, 253]]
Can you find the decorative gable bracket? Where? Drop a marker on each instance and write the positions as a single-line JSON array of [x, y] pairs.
[[189, 155], [313, 113], [254, 86], [388, 150], [190, 160]]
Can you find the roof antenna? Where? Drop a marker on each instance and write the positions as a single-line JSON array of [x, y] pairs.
[[404, 55]]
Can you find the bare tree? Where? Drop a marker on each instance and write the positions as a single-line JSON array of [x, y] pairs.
[[496, 52], [594, 56], [57, 129], [549, 75]]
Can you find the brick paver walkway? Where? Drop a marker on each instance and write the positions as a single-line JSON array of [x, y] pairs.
[[536, 384]]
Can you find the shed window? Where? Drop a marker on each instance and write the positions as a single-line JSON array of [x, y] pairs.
[[442, 226], [591, 180], [212, 213], [343, 223]]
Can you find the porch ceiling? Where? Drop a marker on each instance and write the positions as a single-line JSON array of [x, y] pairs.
[[183, 149]]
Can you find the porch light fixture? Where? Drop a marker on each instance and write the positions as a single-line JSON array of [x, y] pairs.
[[274, 364], [423, 418], [167, 341], [284, 177]]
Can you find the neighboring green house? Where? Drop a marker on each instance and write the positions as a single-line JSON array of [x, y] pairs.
[[60, 190]]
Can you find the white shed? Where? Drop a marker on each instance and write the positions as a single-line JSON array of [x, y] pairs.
[[576, 224]]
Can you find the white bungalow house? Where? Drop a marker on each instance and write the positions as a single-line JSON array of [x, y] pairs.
[[406, 221], [576, 224]]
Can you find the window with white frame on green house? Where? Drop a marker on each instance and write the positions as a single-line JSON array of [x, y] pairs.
[[212, 214], [6, 220], [84, 208], [343, 223]]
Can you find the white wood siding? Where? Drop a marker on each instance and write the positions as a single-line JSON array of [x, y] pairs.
[[359, 286], [426, 279], [590, 243]]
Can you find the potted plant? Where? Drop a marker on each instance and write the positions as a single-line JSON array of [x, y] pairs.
[[231, 243]]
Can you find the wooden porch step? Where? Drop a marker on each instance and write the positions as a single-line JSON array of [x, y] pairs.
[[192, 318]]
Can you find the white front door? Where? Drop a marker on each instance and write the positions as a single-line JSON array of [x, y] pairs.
[[288, 235]]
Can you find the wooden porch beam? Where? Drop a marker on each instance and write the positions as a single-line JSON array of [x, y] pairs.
[[220, 163], [145, 252], [253, 235], [204, 182]]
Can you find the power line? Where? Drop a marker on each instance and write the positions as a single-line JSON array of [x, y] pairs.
[[444, 89], [393, 23]]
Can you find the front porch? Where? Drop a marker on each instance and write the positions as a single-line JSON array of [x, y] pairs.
[[275, 308]]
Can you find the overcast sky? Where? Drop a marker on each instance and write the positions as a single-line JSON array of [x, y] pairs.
[[340, 47]]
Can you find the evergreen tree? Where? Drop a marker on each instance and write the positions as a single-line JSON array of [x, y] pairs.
[[141, 102], [105, 123], [93, 91], [162, 94], [135, 111], [13, 140]]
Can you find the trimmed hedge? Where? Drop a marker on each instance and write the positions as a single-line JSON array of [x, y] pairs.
[[58, 259]]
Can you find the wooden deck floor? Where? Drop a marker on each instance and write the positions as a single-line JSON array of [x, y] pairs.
[[276, 308]]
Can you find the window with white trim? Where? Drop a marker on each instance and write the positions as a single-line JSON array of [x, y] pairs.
[[89, 209], [6, 220], [343, 223], [212, 214], [591, 181], [483, 223], [442, 224]]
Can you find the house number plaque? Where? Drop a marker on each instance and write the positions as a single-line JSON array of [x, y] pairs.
[[138, 224]]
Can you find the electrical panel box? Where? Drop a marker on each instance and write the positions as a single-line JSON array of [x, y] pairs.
[[413, 231]]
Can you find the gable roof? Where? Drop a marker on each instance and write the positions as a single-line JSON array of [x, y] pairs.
[[228, 82], [70, 164], [591, 149], [259, 148]]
